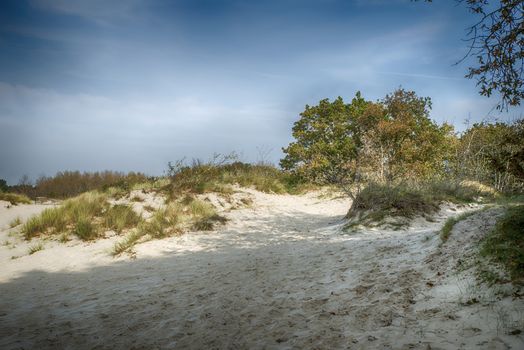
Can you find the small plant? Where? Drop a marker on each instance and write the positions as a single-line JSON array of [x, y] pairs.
[[207, 223], [15, 222], [127, 243], [137, 199], [35, 248]]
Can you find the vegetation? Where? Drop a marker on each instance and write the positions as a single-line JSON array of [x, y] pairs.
[[14, 198], [496, 42], [15, 222], [68, 184], [505, 243], [35, 248], [219, 174], [77, 215], [350, 144], [175, 218], [445, 232]]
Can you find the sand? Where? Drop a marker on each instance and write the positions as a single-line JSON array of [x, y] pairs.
[[281, 274]]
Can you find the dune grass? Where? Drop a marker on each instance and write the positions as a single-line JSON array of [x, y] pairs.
[[505, 243], [376, 201], [85, 216], [207, 177], [14, 198], [35, 248], [15, 222], [188, 213]]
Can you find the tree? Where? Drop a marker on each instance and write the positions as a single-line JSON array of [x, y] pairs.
[[493, 154], [346, 144], [497, 43], [328, 143], [3, 186]]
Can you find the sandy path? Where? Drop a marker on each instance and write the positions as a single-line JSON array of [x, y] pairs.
[[280, 275]]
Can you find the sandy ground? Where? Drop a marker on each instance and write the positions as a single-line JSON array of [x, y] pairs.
[[280, 275]]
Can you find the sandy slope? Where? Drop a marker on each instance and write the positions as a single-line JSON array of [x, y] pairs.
[[281, 274]]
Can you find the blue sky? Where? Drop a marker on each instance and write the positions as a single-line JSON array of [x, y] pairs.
[[131, 85]]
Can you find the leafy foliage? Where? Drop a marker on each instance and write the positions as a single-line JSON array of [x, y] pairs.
[[344, 144]]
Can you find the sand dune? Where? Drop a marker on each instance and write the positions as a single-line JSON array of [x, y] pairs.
[[280, 275]]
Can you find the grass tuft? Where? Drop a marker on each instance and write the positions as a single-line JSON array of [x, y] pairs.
[[35, 248], [120, 217], [14, 198], [15, 222]]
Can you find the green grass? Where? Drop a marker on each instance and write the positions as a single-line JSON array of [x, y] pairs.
[[84, 216], [445, 232], [505, 243], [14, 198], [127, 243]]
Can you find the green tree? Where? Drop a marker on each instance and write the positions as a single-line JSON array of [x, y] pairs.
[[328, 142], [3, 185], [345, 144], [493, 154]]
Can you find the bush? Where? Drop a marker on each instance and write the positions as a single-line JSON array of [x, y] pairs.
[[376, 201], [72, 183]]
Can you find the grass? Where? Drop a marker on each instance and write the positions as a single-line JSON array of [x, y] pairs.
[[505, 243], [445, 232], [15, 222], [14, 198], [83, 216], [207, 177], [35, 248], [186, 214], [120, 217], [376, 202]]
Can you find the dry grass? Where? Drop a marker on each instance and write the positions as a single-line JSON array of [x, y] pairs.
[[186, 214], [14, 198]]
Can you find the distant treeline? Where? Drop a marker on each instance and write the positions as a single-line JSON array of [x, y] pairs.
[[66, 184]]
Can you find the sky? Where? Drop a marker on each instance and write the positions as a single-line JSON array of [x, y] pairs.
[[131, 85]]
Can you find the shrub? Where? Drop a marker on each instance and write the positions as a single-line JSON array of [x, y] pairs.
[[377, 201], [68, 184]]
